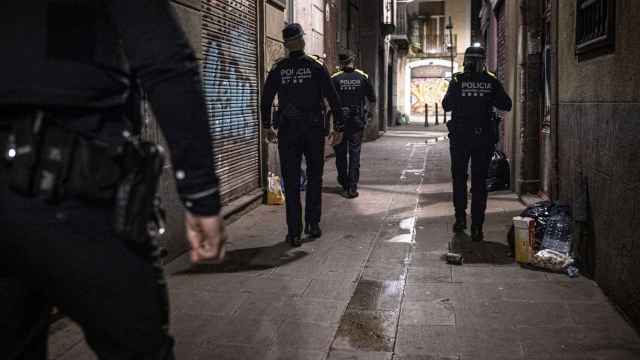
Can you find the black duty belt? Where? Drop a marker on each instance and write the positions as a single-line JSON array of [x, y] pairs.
[[45, 159]]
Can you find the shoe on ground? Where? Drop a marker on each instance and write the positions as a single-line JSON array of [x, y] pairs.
[[352, 194], [313, 230], [294, 240], [476, 233], [460, 225]]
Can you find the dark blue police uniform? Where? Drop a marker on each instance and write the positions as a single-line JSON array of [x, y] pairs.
[[301, 83], [68, 66], [353, 87], [471, 97]]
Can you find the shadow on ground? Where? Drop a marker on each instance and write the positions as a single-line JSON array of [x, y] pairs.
[[481, 252], [251, 259]]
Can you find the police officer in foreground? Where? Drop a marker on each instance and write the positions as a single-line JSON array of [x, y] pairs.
[[301, 83], [77, 193], [472, 96], [353, 87]]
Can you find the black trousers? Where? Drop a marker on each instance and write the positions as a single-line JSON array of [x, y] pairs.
[[66, 255], [348, 158], [477, 150], [296, 139]]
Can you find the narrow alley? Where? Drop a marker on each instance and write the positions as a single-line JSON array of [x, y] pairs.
[[375, 286], [140, 139]]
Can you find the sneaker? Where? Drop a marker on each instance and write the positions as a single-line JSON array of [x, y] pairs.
[[476, 233], [352, 194]]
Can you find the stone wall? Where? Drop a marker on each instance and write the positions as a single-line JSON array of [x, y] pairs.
[[598, 131], [370, 46]]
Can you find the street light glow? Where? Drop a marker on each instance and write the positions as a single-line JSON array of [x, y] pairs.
[[477, 44]]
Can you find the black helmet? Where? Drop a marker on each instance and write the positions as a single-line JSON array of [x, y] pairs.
[[292, 31], [346, 57], [474, 59]]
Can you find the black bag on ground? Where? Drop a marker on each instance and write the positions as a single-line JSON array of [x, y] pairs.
[[499, 172]]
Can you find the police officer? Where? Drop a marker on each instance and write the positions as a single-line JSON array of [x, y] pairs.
[[63, 99], [472, 96], [353, 87], [301, 83]]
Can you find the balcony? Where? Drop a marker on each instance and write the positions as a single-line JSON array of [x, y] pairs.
[[436, 45], [400, 35]]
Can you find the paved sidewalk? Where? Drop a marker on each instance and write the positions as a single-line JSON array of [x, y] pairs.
[[375, 285]]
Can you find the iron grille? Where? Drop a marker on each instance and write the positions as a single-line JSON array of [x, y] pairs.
[[595, 27]]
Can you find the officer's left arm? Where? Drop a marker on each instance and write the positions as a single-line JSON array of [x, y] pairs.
[[329, 92], [159, 53], [501, 99]]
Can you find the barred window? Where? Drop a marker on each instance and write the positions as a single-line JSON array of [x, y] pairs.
[[595, 27], [279, 3]]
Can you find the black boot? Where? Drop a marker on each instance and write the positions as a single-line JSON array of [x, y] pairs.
[[460, 225], [313, 230], [476, 232], [294, 240]]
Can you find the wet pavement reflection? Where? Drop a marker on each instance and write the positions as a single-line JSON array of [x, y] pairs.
[[371, 319]]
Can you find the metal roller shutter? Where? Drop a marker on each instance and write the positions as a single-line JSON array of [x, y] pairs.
[[230, 80]]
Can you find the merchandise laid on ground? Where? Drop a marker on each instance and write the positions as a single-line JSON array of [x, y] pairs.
[[376, 284]]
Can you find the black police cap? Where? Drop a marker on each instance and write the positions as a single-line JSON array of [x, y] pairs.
[[292, 31], [346, 57]]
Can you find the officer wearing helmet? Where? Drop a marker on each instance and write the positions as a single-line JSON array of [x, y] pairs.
[[302, 83], [353, 87], [471, 97]]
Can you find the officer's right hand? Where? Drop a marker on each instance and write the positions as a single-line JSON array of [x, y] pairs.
[[336, 138], [207, 236], [271, 135]]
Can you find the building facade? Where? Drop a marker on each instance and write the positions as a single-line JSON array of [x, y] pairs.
[[571, 67], [430, 41], [226, 35], [237, 42]]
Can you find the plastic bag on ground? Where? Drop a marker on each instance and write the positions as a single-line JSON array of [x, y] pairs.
[[275, 196], [499, 172], [554, 261], [558, 231]]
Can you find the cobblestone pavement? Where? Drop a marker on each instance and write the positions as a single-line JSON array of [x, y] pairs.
[[375, 285]]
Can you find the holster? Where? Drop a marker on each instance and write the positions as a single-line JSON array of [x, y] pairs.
[[55, 164], [137, 208]]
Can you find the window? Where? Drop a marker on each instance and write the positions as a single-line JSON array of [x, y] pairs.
[[595, 27], [279, 3]]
